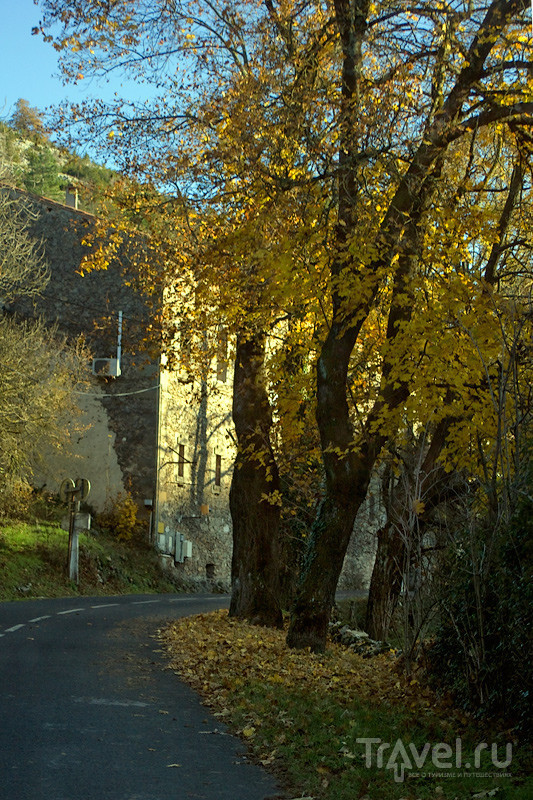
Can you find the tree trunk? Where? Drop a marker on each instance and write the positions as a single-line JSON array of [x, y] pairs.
[[255, 561], [347, 474], [386, 581], [322, 566]]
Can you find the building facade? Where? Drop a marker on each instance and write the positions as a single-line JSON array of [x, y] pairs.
[[115, 445], [161, 435]]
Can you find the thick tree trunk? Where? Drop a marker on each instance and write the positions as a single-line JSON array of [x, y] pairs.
[[347, 475], [347, 472], [255, 562], [386, 581], [322, 566]]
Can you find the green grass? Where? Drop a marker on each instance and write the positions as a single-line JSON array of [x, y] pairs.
[[33, 563], [315, 738]]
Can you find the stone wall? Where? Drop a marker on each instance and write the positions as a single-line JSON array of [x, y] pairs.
[[116, 448], [196, 454]]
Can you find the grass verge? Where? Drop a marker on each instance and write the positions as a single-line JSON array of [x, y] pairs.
[[33, 563], [302, 714]]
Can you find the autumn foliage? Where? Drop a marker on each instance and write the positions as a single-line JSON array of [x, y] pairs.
[[301, 714], [351, 182]]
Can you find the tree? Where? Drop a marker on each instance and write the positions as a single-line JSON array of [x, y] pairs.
[[423, 476], [38, 369], [38, 372], [349, 460], [41, 175], [22, 268], [354, 112], [202, 171], [28, 120]]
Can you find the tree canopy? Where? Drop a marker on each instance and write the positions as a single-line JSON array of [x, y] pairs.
[[354, 175]]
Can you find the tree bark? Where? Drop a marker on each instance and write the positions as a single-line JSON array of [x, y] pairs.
[[386, 581], [255, 561], [347, 474]]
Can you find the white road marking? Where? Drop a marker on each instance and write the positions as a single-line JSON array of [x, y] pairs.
[[182, 600], [71, 611], [101, 605], [144, 602], [214, 599]]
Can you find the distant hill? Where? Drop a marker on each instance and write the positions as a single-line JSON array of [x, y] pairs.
[[29, 160]]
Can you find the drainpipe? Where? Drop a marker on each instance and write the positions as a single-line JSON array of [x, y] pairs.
[[156, 507], [119, 339]]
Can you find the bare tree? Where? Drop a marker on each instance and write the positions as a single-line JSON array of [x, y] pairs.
[[23, 270], [38, 369]]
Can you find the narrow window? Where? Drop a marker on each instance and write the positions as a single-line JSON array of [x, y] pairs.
[[185, 344], [222, 355], [181, 460], [218, 470]]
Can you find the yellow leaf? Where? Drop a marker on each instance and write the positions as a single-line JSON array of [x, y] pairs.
[[419, 507]]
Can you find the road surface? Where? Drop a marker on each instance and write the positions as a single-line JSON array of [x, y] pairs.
[[87, 711]]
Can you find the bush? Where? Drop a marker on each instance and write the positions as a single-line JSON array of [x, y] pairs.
[[15, 499], [482, 647], [120, 516]]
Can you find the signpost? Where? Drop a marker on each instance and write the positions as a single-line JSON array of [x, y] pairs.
[[73, 493]]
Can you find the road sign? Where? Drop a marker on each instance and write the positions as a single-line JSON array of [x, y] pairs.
[[82, 488], [66, 489]]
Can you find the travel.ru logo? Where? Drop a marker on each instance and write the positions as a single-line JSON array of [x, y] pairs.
[[399, 758]]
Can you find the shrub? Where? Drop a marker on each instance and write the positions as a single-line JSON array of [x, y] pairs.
[[15, 499], [120, 516], [482, 647]]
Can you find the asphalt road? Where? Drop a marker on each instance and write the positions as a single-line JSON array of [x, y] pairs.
[[87, 711]]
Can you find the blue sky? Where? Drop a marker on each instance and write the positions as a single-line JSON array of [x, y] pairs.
[[28, 66]]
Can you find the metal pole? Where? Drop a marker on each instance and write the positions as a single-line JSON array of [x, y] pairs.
[[71, 530], [73, 540]]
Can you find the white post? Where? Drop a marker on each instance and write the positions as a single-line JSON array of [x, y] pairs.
[[119, 340]]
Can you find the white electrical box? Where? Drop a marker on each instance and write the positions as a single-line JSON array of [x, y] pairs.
[[183, 548], [106, 367]]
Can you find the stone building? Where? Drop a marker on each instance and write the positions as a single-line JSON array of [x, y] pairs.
[[195, 456], [145, 430], [116, 446], [156, 433]]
